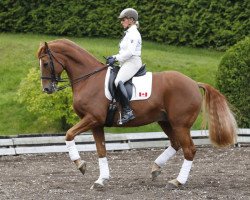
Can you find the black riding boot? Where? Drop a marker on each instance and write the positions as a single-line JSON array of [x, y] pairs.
[[127, 112]]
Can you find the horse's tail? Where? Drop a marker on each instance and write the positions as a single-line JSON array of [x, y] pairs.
[[221, 122]]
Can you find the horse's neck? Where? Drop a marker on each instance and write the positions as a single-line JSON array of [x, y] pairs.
[[80, 63]]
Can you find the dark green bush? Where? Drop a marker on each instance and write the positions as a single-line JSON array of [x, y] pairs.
[[198, 23], [233, 79]]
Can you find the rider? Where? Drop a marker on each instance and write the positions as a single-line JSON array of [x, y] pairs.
[[129, 58]]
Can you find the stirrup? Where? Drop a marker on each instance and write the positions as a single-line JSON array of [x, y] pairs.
[[126, 117]]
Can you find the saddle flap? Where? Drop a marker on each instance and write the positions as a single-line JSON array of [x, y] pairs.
[[138, 88], [128, 85]]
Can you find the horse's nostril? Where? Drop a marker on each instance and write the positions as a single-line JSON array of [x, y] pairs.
[[46, 90]]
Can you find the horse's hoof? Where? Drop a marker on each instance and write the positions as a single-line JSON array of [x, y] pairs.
[[99, 185], [82, 166], [155, 174], [173, 184], [156, 171]]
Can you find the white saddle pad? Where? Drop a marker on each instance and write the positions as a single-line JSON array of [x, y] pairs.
[[142, 86]]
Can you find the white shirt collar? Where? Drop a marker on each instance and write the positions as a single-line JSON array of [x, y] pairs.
[[131, 28]]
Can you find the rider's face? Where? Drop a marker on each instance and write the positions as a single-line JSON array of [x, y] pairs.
[[126, 23]]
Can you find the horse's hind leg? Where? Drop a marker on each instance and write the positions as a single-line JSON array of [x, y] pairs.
[[187, 145], [99, 137], [168, 153]]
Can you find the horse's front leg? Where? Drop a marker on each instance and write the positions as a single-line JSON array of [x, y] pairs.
[[84, 125], [99, 137]]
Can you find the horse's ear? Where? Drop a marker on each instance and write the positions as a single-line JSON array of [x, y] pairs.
[[46, 45], [41, 48]]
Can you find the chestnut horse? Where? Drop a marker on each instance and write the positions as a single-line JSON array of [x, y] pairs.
[[174, 104]]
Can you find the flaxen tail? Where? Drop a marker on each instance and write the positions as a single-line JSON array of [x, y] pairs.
[[221, 122]]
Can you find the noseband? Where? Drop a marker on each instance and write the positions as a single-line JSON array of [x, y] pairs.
[[55, 79]]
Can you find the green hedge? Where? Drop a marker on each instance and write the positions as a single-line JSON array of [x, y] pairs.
[[233, 80], [198, 23]]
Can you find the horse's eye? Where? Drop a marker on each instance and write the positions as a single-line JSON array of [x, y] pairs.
[[45, 65]]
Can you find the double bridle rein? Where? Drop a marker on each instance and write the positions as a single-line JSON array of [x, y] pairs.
[[55, 79]]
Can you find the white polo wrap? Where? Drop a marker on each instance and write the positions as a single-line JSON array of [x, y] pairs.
[[73, 152], [185, 169], [104, 168], [165, 156]]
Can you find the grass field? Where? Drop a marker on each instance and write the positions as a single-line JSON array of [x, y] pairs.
[[17, 56]]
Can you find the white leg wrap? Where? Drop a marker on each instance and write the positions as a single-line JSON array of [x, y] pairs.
[[165, 156], [73, 152], [104, 169], [185, 169]]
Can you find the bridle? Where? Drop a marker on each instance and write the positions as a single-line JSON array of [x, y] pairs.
[[55, 79]]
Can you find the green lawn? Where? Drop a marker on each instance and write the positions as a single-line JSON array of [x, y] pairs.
[[17, 56]]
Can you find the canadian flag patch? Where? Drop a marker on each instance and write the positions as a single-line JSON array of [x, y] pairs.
[[143, 94]]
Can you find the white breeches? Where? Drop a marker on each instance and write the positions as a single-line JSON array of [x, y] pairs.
[[128, 69]]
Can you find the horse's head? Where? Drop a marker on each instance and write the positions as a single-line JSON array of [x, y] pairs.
[[51, 68]]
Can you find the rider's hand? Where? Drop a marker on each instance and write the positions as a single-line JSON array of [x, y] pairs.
[[110, 60]]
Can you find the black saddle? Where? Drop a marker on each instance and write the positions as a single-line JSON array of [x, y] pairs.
[[115, 95], [128, 85]]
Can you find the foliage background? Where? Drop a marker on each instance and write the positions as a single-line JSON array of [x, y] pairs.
[[233, 79], [197, 23]]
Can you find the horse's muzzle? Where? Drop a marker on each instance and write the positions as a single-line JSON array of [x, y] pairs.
[[47, 90], [51, 88]]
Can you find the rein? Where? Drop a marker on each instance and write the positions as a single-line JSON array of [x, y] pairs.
[[54, 79], [82, 78]]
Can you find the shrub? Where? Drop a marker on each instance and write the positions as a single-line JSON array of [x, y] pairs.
[[233, 79], [49, 108]]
